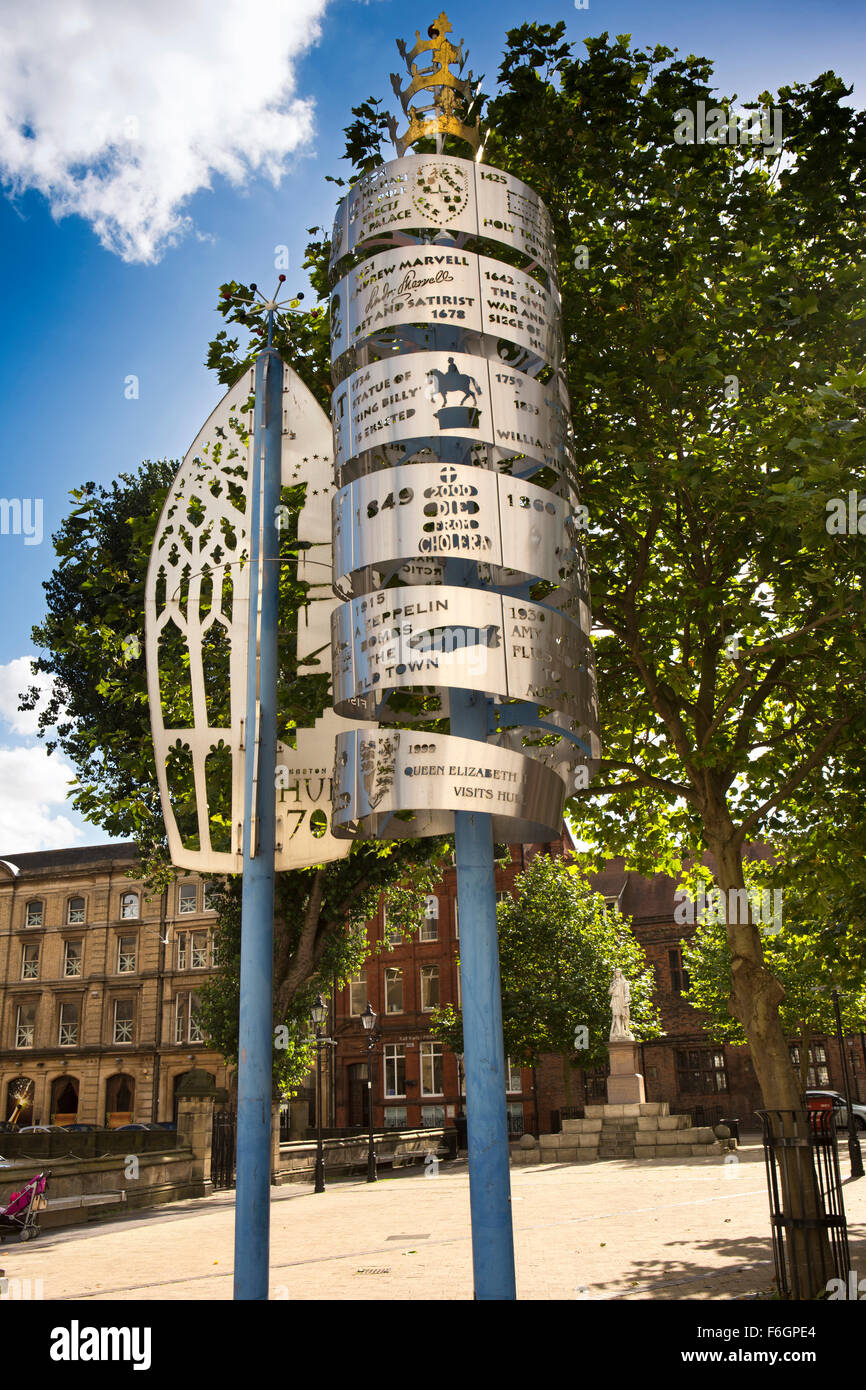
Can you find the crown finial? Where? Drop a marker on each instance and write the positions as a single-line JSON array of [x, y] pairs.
[[452, 94]]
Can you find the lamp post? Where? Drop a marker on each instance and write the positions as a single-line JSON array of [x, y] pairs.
[[853, 1141], [368, 1018], [317, 1014]]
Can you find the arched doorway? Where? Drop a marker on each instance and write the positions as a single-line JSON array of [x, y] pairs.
[[119, 1100], [181, 1077], [19, 1100], [64, 1100]]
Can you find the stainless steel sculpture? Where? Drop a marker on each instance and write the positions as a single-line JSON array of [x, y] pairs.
[[197, 621], [458, 548]]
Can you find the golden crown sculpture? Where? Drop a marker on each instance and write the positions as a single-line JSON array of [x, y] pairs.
[[452, 94]]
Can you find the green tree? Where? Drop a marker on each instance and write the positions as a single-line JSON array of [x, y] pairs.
[[809, 964], [558, 947]]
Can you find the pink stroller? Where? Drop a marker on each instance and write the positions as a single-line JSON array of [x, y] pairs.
[[23, 1207]]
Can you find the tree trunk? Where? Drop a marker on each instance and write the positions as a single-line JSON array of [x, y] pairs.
[[755, 998]]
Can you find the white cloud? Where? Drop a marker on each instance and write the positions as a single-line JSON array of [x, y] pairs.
[[15, 677], [119, 112], [33, 787]]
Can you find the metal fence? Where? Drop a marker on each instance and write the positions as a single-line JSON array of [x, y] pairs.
[[223, 1148], [812, 1185]]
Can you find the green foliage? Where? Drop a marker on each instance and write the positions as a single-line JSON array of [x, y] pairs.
[[558, 947]]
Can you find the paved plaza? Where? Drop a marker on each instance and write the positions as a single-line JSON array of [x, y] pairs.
[[666, 1229]]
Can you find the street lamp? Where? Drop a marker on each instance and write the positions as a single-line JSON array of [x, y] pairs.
[[853, 1141], [368, 1019], [317, 1014]]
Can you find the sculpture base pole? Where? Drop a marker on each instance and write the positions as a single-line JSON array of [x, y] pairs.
[[484, 1056], [625, 1083], [255, 1026]]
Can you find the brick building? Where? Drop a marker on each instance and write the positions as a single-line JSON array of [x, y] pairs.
[[98, 988]]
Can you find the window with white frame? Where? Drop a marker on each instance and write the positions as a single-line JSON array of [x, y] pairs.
[[395, 1117], [75, 912], [68, 1033], [209, 897], [503, 895], [182, 950], [514, 1118], [818, 1074], [187, 899], [431, 1069], [394, 1069], [358, 994], [198, 957], [30, 961], [25, 1025], [429, 929], [129, 906], [432, 1116], [429, 988], [512, 1077], [456, 921], [392, 935], [34, 914], [186, 1023], [459, 986], [126, 955], [124, 1019], [393, 990], [72, 953]]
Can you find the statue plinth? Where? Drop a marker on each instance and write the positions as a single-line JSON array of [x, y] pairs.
[[625, 1083]]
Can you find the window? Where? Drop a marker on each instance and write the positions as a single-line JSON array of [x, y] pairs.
[[129, 906], [33, 914], [25, 1025], [819, 1073], [358, 994], [182, 954], [503, 895], [186, 1024], [513, 1082], [700, 1071], [124, 1015], [395, 1070], [456, 921], [395, 1117], [393, 990], [30, 962], [431, 1069], [198, 950], [432, 1116], [679, 974], [68, 1025], [392, 935], [514, 1119], [126, 955], [429, 988], [429, 930], [459, 986], [187, 899], [208, 897], [75, 912], [72, 958]]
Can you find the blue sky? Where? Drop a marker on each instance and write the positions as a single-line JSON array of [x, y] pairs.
[[216, 99]]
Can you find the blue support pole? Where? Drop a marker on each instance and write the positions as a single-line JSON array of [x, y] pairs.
[[484, 1054], [255, 1030]]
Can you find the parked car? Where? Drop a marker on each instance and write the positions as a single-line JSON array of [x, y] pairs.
[[840, 1109], [41, 1129], [81, 1129], [122, 1127]]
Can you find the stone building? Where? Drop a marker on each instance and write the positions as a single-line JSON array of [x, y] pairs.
[[98, 988]]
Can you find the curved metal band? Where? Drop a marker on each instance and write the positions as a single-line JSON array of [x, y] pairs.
[[419, 396], [429, 510], [450, 194], [400, 785], [447, 637], [442, 286]]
